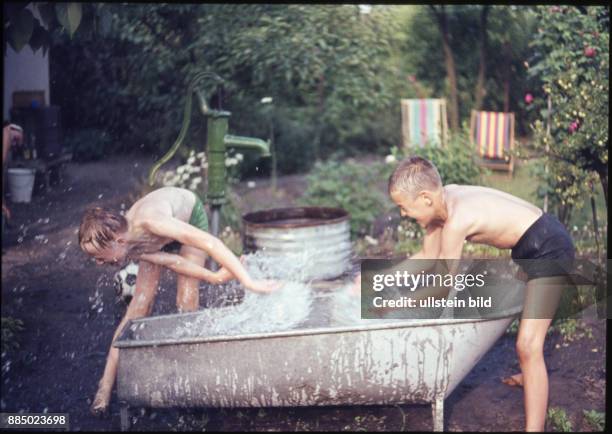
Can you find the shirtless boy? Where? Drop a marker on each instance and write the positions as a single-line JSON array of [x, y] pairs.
[[163, 216], [452, 214]]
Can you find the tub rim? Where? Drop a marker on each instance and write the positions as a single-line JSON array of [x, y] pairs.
[[121, 342], [342, 215]]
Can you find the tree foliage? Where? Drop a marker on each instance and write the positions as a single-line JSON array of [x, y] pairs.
[[570, 65], [22, 27], [326, 67], [508, 29]]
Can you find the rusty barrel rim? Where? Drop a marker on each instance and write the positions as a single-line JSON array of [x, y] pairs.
[[270, 218]]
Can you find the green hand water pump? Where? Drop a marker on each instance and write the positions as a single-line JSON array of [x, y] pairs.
[[217, 142]]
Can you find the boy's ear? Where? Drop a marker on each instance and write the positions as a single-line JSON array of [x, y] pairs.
[[426, 195]]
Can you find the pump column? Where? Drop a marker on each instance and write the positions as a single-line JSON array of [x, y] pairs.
[[217, 128]]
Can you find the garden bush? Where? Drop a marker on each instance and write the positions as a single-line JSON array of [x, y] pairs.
[[88, 144], [353, 186], [456, 162]]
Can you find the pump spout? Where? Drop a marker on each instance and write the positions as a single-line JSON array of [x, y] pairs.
[[240, 142]]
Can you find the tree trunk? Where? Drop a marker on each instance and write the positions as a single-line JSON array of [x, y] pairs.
[[480, 81], [507, 77], [450, 66], [321, 107], [603, 177], [564, 213], [595, 222]]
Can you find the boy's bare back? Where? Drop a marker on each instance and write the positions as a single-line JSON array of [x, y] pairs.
[[167, 201], [172, 201], [486, 216]]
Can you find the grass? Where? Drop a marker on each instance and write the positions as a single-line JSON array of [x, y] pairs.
[[10, 329], [558, 419], [595, 419], [572, 329], [523, 184]]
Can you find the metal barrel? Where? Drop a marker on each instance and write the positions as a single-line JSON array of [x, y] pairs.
[[317, 237]]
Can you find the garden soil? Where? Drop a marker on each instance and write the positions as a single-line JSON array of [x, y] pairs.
[[69, 310]]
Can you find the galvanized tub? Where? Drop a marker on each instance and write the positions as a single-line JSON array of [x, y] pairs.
[[319, 237], [377, 363]]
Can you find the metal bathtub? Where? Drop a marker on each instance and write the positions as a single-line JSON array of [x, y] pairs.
[[373, 363]]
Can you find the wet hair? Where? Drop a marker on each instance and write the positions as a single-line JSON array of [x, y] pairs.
[[413, 175], [99, 227]]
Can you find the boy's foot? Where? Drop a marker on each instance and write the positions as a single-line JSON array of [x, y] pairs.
[[514, 380], [99, 407]]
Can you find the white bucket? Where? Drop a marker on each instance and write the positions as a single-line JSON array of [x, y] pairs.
[[21, 184]]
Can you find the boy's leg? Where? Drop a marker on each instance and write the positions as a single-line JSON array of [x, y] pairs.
[[541, 300], [187, 288], [140, 305]]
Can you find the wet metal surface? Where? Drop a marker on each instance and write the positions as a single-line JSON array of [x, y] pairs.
[[319, 237], [400, 361]]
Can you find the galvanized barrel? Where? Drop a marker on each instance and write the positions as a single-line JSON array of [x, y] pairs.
[[317, 237]]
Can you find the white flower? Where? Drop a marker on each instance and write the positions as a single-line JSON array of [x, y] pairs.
[[390, 159], [180, 169], [251, 184], [266, 100], [371, 240], [197, 180], [191, 160], [239, 157], [230, 162]]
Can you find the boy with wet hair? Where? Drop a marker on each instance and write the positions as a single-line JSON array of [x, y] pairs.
[[453, 214], [161, 217]]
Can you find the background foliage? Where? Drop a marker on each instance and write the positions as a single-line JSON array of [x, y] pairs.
[[570, 66]]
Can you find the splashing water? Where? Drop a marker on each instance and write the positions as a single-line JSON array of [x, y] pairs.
[[283, 309]]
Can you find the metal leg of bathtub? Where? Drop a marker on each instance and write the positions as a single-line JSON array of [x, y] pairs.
[[437, 413], [124, 414]]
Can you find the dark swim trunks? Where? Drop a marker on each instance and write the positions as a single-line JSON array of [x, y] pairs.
[[545, 249]]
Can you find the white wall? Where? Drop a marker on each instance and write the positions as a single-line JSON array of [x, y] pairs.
[[25, 70]]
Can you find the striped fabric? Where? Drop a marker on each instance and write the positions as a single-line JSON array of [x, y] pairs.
[[493, 134], [423, 121]]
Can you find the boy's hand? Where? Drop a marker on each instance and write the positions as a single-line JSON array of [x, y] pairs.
[[264, 286]]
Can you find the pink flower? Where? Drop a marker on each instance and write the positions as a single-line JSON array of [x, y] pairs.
[[412, 78], [574, 127], [589, 52], [528, 98]]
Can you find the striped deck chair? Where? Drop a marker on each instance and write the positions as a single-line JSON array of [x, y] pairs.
[[424, 121], [493, 135]]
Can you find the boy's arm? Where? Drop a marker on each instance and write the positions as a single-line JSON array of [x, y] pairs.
[[426, 257], [431, 244], [449, 241], [189, 235], [185, 267], [453, 238]]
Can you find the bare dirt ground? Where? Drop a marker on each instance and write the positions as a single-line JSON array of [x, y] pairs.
[[69, 310]]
